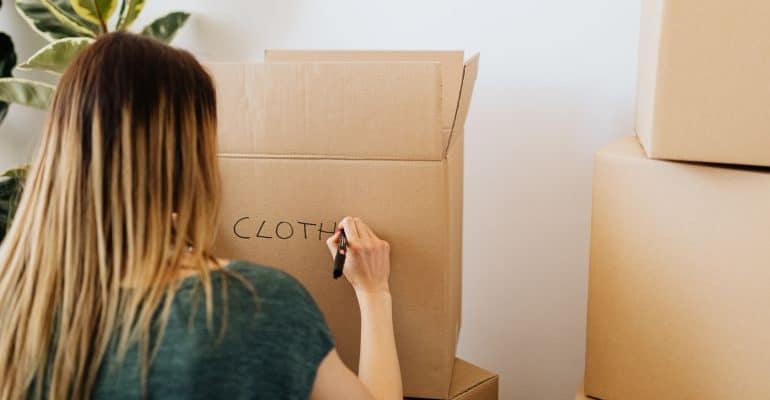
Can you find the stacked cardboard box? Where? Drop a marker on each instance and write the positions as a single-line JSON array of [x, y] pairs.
[[680, 264], [704, 75], [470, 382], [311, 136]]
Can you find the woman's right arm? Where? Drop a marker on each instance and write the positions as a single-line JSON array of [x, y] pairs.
[[367, 268]]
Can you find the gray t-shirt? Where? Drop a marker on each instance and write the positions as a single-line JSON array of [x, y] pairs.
[[270, 349]]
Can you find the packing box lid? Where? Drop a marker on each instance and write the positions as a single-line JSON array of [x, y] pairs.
[[347, 105], [450, 62], [470, 382]]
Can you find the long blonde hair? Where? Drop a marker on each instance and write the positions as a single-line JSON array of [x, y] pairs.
[[123, 192]]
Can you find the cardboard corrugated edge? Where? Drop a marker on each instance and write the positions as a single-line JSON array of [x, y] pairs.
[[652, 20], [455, 162], [470, 72], [589, 381]]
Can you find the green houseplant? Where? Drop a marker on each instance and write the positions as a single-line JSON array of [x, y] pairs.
[[7, 62], [69, 26], [10, 181]]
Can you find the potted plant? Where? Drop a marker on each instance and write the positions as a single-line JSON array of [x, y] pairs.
[[10, 181], [69, 26]]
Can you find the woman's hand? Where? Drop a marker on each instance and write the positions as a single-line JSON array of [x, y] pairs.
[[367, 262], [367, 268]]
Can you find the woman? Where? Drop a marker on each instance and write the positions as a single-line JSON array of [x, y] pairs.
[[108, 260]]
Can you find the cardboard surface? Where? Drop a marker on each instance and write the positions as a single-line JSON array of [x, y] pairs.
[[704, 81], [470, 382], [331, 110], [287, 184], [581, 396], [679, 280], [450, 62]]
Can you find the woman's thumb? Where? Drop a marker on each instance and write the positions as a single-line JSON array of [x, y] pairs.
[[332, 242]]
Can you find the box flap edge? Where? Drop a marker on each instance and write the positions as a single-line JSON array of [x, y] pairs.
[[470, 72]]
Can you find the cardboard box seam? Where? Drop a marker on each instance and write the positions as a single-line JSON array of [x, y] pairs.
[[331, 49], [603, 153]]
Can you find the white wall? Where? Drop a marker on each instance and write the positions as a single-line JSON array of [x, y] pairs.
[[557, 80]]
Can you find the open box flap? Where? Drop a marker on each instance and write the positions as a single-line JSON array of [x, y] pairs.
[[466, 377], [451, 62], [378, 110], [470, 71]]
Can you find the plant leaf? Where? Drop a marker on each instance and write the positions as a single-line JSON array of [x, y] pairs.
[[7, 62], [26, 92], [56, 56], [129, 10], [67, 19], [11, 187], [166, 27], [96, 11], [7, 55], [38, 15]]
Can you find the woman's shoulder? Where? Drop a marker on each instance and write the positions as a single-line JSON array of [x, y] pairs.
[[276, 294], [276, 290], [290, 306], [289, 327], [264, 321], [264, 278]]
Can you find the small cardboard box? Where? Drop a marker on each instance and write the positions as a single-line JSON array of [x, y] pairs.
[[470, 382], [580, 395], [679, 281], [704, 81], [307, 140]]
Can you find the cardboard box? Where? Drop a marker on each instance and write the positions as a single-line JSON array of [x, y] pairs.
[[305, 142], [470, 382], [580, 395], [704, 81], [679, 279]]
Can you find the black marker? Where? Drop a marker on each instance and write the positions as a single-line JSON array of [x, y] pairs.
[[339, 258]]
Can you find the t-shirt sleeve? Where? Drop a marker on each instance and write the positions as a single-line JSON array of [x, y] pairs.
[[309, 339]]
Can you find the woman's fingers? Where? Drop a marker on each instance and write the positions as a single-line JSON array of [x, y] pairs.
[[351, 230], [332, 242], [363, 230]]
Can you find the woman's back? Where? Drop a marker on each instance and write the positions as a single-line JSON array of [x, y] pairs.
[[120, 203], [274, 339]]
